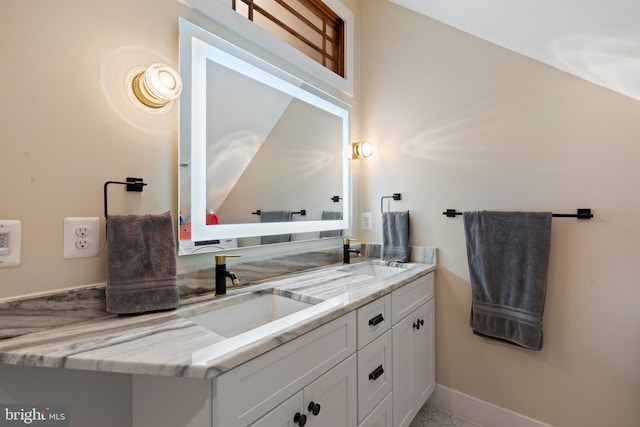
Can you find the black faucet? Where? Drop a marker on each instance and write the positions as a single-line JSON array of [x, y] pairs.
[[222, 274], [346, 251]]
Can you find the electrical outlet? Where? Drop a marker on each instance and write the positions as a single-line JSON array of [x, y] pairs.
[[82, 231], [366, 220], [82, 244], [81, 237]]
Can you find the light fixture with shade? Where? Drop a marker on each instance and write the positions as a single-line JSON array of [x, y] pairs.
[[157, 85], [362, 149]]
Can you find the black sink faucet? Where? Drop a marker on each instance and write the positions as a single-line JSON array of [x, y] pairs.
[[222, 274], [346, 251]]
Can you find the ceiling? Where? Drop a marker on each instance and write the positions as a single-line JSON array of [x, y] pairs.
[[596, 40]]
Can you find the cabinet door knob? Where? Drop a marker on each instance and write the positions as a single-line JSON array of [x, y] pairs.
[[300, 419], [376, 373], [418, 323], [314, 408], [376, 320]]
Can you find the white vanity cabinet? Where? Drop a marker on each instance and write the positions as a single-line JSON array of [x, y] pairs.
[[281, 415], [313, 364], [396, 355], [382, 415], [375, 375], [328, 401], [372, 367], [413, 348]]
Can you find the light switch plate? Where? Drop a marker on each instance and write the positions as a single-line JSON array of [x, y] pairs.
[[10, 240]]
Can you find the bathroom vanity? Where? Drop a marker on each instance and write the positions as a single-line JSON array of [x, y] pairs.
[[358, 351], [372, 366]]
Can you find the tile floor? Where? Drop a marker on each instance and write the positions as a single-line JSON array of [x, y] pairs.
[[431, 416]]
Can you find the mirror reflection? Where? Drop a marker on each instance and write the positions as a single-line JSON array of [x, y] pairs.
[[262, 154]]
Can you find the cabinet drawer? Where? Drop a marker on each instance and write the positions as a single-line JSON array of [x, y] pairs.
[[375, 378], [374, 319], [382, 415], [249, 391], [409, 297]]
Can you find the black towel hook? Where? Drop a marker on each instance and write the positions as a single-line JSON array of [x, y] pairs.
[[133, 184]]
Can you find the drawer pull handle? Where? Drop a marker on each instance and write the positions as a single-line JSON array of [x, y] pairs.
[[300, 419], [418, 323], [376, 320], [376, 373], [314, 408]]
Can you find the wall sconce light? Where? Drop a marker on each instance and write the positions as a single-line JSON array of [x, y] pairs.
[[362, 149], [157, 85]]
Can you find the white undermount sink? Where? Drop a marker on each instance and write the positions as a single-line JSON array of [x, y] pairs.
[[375, 270], [250, 312]]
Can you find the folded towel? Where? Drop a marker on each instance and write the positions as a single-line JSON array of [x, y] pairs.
[[275, 216], [508, 256], [141, 264], [395, 236], [331, 216]]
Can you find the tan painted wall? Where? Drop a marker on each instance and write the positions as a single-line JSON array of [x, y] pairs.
[[461, 123], [458, 123], [65, 131]]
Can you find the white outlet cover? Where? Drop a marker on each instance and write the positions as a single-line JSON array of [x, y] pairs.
[[10, 239], [92, 247], [366, 220]]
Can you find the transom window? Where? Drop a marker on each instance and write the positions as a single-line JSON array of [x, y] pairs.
[[308, 25]]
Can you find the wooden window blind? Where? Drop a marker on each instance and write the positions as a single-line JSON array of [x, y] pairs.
[[308, 25]]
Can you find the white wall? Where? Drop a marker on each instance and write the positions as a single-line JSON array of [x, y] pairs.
[[95, 399], [461, 123], [595, 40]]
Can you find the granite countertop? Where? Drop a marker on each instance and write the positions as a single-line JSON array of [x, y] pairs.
[[41, 332]]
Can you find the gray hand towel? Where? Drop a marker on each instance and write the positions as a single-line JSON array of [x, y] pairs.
[[331, 216], [395, 236], [141, 264], [275, 216], [508, 256]]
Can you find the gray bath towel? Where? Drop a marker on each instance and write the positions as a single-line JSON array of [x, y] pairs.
[[331, 216], [275, 216], [508, 255], [141, 264], [395, 236]]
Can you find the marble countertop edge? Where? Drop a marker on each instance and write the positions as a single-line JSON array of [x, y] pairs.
[[168, 344]]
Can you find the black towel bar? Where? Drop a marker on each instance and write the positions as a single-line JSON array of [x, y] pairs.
[[302, 212], [580, 214]]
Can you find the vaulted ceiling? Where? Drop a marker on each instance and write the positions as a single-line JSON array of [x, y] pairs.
[[593, 39]]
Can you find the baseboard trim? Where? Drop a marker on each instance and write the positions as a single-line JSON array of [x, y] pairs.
[[480, 411]]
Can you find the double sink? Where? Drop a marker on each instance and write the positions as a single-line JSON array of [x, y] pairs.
[[249, 311]]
